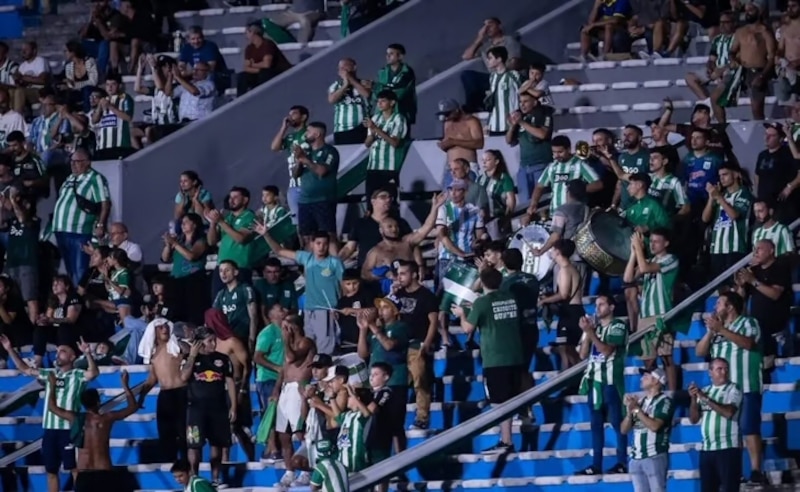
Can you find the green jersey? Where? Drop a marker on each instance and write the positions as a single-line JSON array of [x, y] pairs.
[[721, 49], [558, 174], [745, 365], [403, 82], [349, 111], [23, 243], [283, 293], [68, 215], [525, 289], [270, 343], [122, 278], [229, 248], [718, 432], [396, 357], [646, 212], [294, 138], [635, 163], [330, 476], [532, 149], [234, 303], [197, 484], [497, 190], [658, 287], [382, 156], [112, 131], [729, 234], [646, 443], [779, 235], [352, 440], [608, 370], [69, 386], [668, 191], [505, 98], [315, 188], [496, 316]]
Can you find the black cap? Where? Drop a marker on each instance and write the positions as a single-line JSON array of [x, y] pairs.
[[321, 360], [775, 126]]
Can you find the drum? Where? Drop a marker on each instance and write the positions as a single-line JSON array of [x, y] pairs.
[[359, 372], [526, 240], [604, 242], [457, 284]]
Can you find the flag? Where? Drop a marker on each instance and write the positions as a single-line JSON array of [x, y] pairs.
[[267, 422]]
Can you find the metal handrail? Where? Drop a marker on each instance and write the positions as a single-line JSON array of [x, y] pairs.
[[411, 456], [37, 444]]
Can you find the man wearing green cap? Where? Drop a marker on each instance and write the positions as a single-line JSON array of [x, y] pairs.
[[329, 474]]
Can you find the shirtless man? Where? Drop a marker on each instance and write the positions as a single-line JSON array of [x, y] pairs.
[[789, 52], [569, 298], [754, 50], [463, 136], [298, 353], [94, 458], [228, 344], [165, 369], [377, 265]]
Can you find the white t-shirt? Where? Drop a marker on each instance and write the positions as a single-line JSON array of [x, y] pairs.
[[133, 250], [10, 122], [34, 68], [546, 98]]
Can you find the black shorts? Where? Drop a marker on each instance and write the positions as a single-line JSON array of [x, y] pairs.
[[244, 412], [316, 217], [397, 410], [502, 383], [207, 422], [94, 480], [57, 450], [569, 329], [721, 262]]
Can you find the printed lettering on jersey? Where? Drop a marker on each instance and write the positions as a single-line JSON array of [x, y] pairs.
[[344, 438], [596, 355], [108, 121], [561, 178], [15, 231], [655, 193], [695, 175], [506, 309], [229, 308]]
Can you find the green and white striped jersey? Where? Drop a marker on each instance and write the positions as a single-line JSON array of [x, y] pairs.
[[669, 191], [608, 370], [330, 476], [69, 386], [647, 443], [197, 484], [352, 440], [349, 111], [505, 96], [68, 216], [497, 189], [718, 432], [557, 174], [7, 70], [658, 287], [112, 131], [382, 156], [745, 365], [779, 235], [272, 215], [292, 138], [721, 49], [730, 235]]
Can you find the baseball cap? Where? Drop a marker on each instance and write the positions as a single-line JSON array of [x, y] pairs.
[[458, 184], [321, 360], [656, 372], [388, 300], [336, 371], [775, 126], [447, 106]]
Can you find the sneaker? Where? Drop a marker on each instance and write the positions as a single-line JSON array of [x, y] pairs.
[[499, 448], [218, 485], [616, 469], [757, 478], [286, 479], [303, 480], [590, 471], [643, 55], [419, 425], [271, 457]]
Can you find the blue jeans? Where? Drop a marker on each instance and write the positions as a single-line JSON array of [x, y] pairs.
[[292, 200], [75, 260], [650, 474], [99, 50], [527, 177], [611, 408], [265, 389]]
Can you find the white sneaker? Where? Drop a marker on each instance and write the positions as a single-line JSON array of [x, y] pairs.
[[303, 480], [643, 55], [286, 479]]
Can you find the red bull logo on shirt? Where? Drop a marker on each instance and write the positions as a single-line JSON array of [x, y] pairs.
[[208, 376]]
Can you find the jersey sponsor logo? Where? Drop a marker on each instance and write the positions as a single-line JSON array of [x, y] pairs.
[[229, 308], [506, 309], [218, 363], [108, 121], [208, 376], [707, 165], [326, 272], [561, 178]]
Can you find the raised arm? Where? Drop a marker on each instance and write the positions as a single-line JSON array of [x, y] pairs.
[[131, 406]]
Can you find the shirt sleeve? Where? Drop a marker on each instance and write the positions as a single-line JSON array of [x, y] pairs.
[[663, 410], [206, 88], [127, 105], [513, 47], [263, 340], [679, 195], [742, 204], [100, 189], [617, 334], [302, 257], [733, 396], [476, 313], [441, 216], [217, 304], [333, 88], [316, 478], [399, 129], [587, 173], [135, 253], [668, 264], [546, 179], [382, 398], [250, 293]]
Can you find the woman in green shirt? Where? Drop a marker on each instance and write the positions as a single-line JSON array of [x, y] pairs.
[[500, 190], [187, 253]]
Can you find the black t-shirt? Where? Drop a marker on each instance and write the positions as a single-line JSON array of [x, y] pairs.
[[364, 298], [366, 234], [772, 315], [27, 168], [15, 304], [60, 310], [381, 430], [414, 310], [207, 382], [141, 27], [718, 141], [775, 170], [93, 284]]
